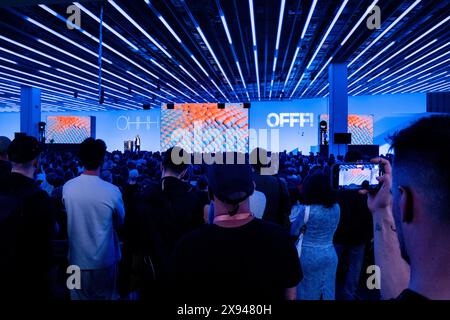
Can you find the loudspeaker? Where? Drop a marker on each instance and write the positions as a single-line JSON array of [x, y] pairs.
[[41, 126], [342, 138], [221, 105], [247, 105], [146, 106], [170, 106], [19, 134]]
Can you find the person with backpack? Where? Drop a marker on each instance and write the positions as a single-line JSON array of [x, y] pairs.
[[161, 215], [27, 226]]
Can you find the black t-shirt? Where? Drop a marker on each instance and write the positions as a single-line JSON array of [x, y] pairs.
[[157, 219], [355, 224], [253, 262], [27, 222]]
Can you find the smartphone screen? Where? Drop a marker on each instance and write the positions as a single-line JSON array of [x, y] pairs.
[[353, 176]]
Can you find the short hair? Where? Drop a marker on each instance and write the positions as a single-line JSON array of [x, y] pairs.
[[92, 153], [317, 190], [421, 158], [170, 165]]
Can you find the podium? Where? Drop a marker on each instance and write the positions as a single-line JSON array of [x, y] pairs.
[[128, 145]]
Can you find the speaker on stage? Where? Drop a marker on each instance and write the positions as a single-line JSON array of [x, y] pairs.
[[221, 105], [170, 106], [247, 105]]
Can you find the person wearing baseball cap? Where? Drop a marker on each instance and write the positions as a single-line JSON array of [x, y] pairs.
[[27, 225], [23, 152], [238, 257], [5, 165]]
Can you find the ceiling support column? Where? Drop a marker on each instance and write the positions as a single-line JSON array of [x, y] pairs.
[[338, 105], [30, 110]]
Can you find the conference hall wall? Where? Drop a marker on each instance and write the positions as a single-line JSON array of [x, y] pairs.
[[298, 127], [114, 127]]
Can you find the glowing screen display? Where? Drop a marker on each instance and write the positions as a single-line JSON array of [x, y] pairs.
[[351, 176], [67, 129], [360, 126], [205, 128]]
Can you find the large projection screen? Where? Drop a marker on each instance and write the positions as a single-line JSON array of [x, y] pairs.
[[69, 129], [204, 128], [360, 126]]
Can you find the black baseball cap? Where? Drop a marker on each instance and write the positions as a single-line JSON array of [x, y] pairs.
[[231, 183], [24, 149]]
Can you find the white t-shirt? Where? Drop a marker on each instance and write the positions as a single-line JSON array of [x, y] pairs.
[[93, 207]]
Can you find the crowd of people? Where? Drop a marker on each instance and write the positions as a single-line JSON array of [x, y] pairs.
[[140, 225]]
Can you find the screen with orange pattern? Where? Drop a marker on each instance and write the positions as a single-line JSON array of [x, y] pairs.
[[360, 126], [203, 127], [67, 129]]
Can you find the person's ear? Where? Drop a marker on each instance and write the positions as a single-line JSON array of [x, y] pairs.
[[406, 204]]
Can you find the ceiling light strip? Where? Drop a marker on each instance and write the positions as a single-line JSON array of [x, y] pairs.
[[363, 17], [393, 24]]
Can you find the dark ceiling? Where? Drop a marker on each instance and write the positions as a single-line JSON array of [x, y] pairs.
[[163, 51]]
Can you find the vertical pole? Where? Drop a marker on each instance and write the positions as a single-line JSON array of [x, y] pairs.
[[30, 110], [338, 105]]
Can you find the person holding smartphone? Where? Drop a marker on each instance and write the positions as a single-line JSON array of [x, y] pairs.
[[411, 215]]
